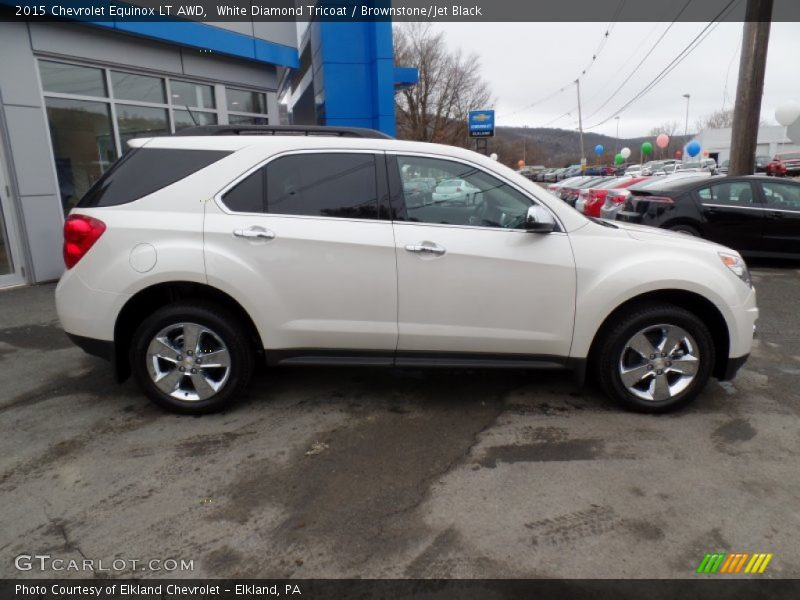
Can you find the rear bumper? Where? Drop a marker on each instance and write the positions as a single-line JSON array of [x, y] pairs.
[[101, 348]]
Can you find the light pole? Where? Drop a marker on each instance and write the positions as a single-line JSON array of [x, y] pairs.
[[686, 128], [616, 148]]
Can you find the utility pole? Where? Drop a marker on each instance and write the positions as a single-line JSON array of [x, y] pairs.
[[580, 124], [752, 65], [616, 145], [686, 127]]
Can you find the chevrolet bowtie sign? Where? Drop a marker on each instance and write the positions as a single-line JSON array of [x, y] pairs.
[[481, 123]]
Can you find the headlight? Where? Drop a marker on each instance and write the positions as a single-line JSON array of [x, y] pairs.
[[735, 263]]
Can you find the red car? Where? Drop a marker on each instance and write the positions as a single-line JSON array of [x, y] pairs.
[[595, 197], [786, 163]]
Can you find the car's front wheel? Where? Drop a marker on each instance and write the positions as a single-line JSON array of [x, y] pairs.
[[191, 358], [655, 359]]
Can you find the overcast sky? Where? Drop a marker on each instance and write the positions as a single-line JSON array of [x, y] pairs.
[[524, 62]]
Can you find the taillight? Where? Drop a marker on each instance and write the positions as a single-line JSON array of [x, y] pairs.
[[80, 234]]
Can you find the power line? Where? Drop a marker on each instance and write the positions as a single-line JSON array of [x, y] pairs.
[[586, 69], [706, 31], [641, 62]]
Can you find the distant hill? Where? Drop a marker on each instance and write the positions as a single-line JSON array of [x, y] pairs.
[[561, 147]]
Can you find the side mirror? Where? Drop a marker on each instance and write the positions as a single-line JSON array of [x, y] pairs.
[[539, 220]]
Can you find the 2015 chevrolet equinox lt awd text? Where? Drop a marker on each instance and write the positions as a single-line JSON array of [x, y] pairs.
[[200, 256]]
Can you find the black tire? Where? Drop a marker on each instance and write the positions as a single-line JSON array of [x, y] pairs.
[[687, 229], [225, 326], [608, 355]]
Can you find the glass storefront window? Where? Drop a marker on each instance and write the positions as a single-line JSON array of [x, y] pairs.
[[244, 101], [72, 79], [247, 120], [192, 95], [81, 108], [141, 88], [83, 144], [184, 118], [140, 121]]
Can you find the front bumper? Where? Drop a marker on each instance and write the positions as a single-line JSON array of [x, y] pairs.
[[733, 366]]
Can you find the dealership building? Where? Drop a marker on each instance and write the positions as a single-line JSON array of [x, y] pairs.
[[72, 95]]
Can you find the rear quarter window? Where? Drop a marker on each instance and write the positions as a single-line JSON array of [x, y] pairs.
[[143, 171]]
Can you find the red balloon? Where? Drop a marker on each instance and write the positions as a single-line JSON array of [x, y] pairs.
[[678, 154]]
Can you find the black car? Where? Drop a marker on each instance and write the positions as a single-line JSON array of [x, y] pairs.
[[756, 215]]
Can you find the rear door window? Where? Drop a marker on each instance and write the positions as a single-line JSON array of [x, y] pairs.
[[143, 171], [736, 193], [316, 184]]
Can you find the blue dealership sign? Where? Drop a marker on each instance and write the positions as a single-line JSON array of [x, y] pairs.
[[481, 123]]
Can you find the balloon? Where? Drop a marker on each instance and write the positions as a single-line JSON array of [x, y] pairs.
[[678, 154], [788, 113], [493, 156], [598, 149], [625, 152], [520, 163], [647, 148], [692, 148], [662, 141], [619, 159]]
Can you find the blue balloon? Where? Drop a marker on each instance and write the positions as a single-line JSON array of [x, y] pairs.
[[598, 149], [693, 149]]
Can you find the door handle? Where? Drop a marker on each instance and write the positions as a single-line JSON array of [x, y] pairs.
[[254, 233], [776, 214], [435, 249]]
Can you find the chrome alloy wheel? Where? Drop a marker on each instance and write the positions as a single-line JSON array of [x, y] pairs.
[[188, 361], [659, 362]]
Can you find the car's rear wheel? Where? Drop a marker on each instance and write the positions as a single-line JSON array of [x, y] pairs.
[[191, 358], [655, 359]]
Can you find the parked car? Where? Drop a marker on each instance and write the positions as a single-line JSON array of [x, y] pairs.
[[615, 199], [705, 164], [571, 171], [596, 195], [784, 164], [633, 170], [458, 191], [761, 163], [570, 193], [202, 257], [756, 215], [554, 175]]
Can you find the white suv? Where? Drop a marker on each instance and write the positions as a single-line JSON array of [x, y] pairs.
[[201, 257]]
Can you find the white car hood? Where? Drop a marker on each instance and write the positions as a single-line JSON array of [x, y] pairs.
[[645, 233]]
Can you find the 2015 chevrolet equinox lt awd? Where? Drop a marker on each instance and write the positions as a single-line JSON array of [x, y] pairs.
[[199, 257]]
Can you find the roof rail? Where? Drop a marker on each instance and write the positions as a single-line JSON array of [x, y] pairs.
[[307, 130]]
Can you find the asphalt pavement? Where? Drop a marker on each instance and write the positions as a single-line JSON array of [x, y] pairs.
[[353, 472]]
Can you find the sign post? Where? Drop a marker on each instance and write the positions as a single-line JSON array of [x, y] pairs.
[[481, 127]]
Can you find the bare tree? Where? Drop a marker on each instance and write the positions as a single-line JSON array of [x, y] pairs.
[[450, 85], [668, 127], [716, 120]]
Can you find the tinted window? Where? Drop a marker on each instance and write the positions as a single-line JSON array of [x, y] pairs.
[[328, 185], [145, 170], [737, 193], [463, 195], [72, 79], [144, 88], [782, 195], [248, 195]]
